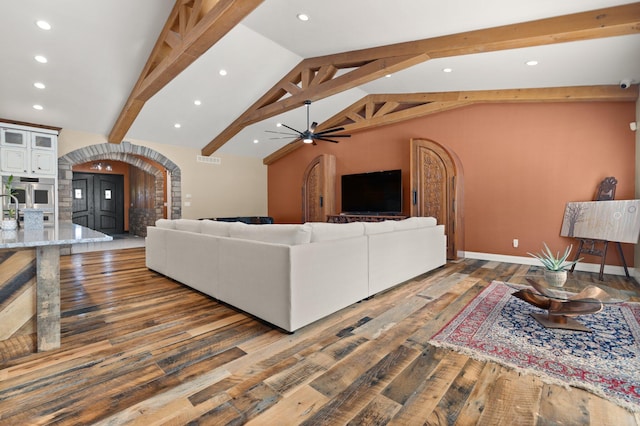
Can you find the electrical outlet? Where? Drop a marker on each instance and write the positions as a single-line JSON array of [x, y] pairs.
[[515, 242]]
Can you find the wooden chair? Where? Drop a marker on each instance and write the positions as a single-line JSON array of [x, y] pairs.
[[606, 190]]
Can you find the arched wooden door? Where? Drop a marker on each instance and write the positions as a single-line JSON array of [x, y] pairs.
[[436, 189], [319, 188]]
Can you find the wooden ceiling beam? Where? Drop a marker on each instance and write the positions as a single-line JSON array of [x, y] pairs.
[[608, 22], [319, 90], [395, 108], [269, 105], [415, 105], [600, 23], [193, 26]]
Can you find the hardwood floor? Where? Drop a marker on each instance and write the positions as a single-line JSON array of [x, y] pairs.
[[138, 348]]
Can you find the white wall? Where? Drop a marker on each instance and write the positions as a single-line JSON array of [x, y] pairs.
[[236, 187]]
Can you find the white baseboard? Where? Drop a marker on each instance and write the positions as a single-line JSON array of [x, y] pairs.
[[581, 266]]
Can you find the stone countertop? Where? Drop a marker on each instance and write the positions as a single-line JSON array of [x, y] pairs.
[[60, 234]]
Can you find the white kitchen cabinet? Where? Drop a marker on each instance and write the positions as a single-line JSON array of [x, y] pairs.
[[14, 161], [43, 141], [43, 162], [28, 151], [14, 137]]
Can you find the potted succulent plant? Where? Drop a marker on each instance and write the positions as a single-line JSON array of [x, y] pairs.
[[555, 265]]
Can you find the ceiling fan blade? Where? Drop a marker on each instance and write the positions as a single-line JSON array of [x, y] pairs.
[[309, 135], [336, 129], [325, 139], [281, 133], [319, 135], [282, 137], [291, 128]]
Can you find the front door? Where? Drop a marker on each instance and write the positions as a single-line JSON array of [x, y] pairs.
[[98, 202]]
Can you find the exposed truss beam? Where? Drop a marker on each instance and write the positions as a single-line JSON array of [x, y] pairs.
[[192, 28], [307, 82], [381, 110], [315, 78]]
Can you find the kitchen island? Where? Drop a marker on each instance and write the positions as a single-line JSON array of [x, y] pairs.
[[30, 269]]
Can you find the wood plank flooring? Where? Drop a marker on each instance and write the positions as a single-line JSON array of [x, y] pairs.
[[138, 348]]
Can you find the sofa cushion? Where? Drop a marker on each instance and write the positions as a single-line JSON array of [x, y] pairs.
[[165, 224], [321, 231], [378, 227], [211, 227], [427, 221], [414, 223], [277, 234], [189, 225]]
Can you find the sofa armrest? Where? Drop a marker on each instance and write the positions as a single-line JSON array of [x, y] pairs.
[[156, 249]]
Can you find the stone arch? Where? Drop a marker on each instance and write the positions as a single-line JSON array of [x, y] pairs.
[[127, 153]]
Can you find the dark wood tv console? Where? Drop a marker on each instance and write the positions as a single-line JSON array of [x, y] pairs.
[[347, 218]]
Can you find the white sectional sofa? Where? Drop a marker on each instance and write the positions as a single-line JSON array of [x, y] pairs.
[[293, 275]]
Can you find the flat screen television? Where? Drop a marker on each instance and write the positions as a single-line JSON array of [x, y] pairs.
[[372, 193]]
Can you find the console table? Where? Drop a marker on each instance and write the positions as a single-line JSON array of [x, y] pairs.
[[347, 218]]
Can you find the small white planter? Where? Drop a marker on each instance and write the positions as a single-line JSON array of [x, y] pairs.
[[555, 278], [9, 224]]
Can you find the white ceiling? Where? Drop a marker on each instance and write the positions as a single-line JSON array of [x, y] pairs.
[[96, 50]]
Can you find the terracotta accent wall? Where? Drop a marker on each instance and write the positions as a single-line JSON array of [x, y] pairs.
[[521, 162]]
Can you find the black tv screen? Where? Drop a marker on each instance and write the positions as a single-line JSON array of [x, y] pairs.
[[372, 193]]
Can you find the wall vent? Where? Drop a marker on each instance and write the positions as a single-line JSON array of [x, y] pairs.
[[209, 160]]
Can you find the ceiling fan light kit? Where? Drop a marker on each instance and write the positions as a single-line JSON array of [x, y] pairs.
[[310, 136]]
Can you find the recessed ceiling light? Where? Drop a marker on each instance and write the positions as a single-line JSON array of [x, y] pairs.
[[303, 17], [447, 69], [39, 85], [222, 72], [256, 141], [197, 102], [40, 59], [177, 125], [388, 76], [532, 63], [278, 124], [38, 107], [43, 25]]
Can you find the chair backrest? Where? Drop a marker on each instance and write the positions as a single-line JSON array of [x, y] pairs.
[[607, 189]]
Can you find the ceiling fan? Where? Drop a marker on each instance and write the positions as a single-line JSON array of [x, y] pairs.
[[310, 135]]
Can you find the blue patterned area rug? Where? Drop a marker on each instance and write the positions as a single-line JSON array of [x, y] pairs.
[[498, 327]]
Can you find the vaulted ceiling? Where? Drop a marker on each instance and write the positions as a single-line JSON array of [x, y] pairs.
[[132, 70]]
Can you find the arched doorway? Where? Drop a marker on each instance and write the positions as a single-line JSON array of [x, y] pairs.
[[134, 155], [437, 188], [318, 189]]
